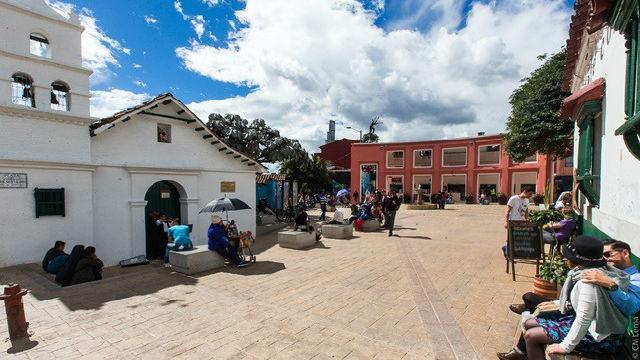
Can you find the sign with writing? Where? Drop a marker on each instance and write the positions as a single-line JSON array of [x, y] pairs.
[[525, 240], [227, 186], [165, 195], [13, 180]]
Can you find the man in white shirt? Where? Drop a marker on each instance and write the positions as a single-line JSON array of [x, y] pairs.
[[518, 206]]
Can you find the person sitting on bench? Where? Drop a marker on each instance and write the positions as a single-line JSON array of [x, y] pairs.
[[559, 232], [219, 242], [338, 218], [302, 221], [178, 239], [55, 258]]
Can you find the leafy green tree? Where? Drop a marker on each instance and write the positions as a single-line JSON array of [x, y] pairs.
[[311, 173], [534, 124], [370, 138], [255, 138]]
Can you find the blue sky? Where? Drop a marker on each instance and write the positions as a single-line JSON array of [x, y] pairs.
[[430, 68]]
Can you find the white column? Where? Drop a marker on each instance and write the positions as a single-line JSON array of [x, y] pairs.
[[189, 212], [138, 228]]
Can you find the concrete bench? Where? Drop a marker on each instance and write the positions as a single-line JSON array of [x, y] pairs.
[[296, 239], [336, 231], [196, 260], [371, 225], [265, 219]]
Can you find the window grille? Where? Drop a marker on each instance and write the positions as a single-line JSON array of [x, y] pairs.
[[59, 97], [22, 90], [49, 202]]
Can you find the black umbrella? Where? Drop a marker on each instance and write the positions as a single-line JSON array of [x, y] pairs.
[[225, 205]]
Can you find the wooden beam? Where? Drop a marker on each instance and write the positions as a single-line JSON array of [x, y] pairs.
[[215, 142], [166, 116], [245, 160], [229, 152], [208, 136], [222, 149], [180, 111], [199, 129], [237, 156], [153, 107], [251, 164], [126, 119], [165, 102]]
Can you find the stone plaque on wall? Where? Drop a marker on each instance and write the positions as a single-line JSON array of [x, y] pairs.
[[227, 186], [13, 180]]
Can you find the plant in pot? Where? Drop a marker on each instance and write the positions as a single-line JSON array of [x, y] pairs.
[[553, 273], [502, 199], [469, 199], [553, 270], [538, 199]]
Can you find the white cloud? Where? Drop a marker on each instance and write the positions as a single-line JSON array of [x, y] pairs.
[[136, 66], [140, 83], [211, 3], [308, 59], [106, 103], [149, 19], [197, 21], [99, 51]]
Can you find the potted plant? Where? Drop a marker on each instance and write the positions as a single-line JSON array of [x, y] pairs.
[[469, 199], [434, 198], [502, 199], [538, 199], [542, 217], [553, 272]]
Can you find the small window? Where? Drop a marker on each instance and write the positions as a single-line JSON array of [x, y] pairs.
[[22, 90], [489, 155], [568, 162], [59, 96], [454, 157], [422, 158], [164, 133], [39, 45], [395, 159], [49, 202]]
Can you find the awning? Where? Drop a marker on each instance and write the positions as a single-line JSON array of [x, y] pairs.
[[593, 91]]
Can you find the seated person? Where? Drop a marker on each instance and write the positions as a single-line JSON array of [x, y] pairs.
[[355, 213], [89, 267], [338, 218], [65, 274], [559, 232], [302, 222], [219, 242], [178, 239], [55, 258]]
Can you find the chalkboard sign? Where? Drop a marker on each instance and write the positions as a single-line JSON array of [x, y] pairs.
[[525, 240]]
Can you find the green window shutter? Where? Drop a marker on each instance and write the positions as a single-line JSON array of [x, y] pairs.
[[49, 202], [585, 175]]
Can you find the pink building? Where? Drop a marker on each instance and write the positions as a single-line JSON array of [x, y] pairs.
[[473, 165]]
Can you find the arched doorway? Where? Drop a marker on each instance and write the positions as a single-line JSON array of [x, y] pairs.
[[162, 198]]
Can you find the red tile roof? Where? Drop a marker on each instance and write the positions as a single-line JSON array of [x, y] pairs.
[[571, 104]]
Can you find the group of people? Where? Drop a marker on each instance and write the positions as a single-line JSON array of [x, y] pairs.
[[601, 293], [379, 205], [82, 265]]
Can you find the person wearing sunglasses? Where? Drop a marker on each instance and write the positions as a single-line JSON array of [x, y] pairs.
[[618, 254]]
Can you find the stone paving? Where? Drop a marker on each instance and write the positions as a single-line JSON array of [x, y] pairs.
[[436, 290]]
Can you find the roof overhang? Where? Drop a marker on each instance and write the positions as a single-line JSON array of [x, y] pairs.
[[183, 114], [591, 92]]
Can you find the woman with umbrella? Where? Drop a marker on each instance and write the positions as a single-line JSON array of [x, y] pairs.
[[218, 237]]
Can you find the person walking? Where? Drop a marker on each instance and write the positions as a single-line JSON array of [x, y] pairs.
[[390, 206], [323, 208]]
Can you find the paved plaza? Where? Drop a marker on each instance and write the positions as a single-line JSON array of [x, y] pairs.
[[436, 290]]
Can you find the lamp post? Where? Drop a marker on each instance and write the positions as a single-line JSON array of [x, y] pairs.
[[358, 130]]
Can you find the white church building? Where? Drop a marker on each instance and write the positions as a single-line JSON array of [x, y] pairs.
[[67, 176]]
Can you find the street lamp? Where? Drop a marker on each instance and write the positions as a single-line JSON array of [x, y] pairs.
[[358, 130]]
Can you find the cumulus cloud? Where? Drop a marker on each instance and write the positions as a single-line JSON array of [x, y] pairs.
[[99, 51], [197, 21], [140, 83], [211, 3], [149, 19], [108, 102], [308, 59]]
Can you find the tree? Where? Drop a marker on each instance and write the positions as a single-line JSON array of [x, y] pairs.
[[534, 124], [311, 173], [255, 139]]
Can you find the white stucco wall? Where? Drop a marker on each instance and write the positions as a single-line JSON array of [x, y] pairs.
[[130, 160], [618, 214], [25, 238]]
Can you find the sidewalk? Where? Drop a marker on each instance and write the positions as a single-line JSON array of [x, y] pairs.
[[436, 291]]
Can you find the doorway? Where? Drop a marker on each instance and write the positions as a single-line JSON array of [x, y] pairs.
[[162, 198]]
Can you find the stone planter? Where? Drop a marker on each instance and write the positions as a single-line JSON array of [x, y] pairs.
[[545, 288]]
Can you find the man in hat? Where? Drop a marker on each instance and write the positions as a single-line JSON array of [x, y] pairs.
[[219, 242]]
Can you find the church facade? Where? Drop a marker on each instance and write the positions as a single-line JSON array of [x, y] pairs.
[[67, 176]]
